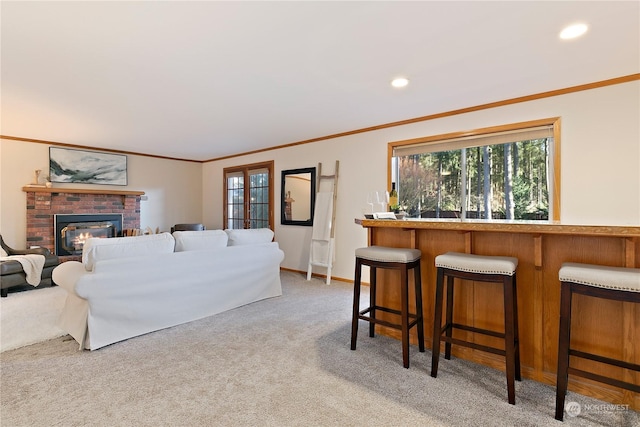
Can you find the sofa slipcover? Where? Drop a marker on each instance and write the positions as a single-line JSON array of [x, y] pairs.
[[121, 298]]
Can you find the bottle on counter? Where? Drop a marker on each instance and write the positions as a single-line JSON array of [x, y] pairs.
[[393, 197]]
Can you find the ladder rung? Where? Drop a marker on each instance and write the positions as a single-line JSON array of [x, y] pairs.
[[319, 264]]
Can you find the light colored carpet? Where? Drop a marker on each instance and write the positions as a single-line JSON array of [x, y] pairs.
[[280, 362], [30, 317]]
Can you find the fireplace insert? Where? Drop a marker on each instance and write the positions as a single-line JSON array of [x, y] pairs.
[[71, 231]]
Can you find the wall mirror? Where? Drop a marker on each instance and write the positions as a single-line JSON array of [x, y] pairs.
[[298, 196]]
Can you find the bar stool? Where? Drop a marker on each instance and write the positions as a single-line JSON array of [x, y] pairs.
[[483, 269], [614, 283], [392, 258]]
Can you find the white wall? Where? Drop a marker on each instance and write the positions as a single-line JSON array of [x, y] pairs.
[[173, 188], [600, 149]]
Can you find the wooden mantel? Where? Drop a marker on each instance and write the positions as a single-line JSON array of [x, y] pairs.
[[42, 189]]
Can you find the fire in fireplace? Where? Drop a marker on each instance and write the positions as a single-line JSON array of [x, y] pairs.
[[71, 231]]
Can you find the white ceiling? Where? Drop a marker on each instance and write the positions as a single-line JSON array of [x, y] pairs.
[[203, 80]]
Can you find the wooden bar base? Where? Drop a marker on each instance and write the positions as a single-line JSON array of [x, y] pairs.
[[608, 328]]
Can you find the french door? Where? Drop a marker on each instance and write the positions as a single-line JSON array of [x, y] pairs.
[[248, 196]]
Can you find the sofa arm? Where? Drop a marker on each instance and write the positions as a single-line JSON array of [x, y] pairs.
[[67, 274]]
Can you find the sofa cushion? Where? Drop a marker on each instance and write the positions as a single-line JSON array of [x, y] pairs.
[[96, 249], [249, 236], [200, 240]]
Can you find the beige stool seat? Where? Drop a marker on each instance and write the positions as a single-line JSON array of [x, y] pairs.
[[385, 254], [614, 283], [479, 268], [480, 264], [397, 259]]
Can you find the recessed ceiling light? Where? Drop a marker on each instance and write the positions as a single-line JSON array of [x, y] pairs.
[[399, 82], [573, 31]]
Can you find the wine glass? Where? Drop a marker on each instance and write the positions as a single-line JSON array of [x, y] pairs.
[[372, 197], [384, 200], [370, 201]]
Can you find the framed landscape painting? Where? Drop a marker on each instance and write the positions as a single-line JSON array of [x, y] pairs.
[[87, 167]]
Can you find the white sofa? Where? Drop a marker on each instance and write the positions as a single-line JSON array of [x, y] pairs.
[[129, 286]]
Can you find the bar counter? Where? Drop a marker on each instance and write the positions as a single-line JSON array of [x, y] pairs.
[[609, 328]]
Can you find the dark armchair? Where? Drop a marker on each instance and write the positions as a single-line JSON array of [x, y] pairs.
[[11, 272], [187, 227]]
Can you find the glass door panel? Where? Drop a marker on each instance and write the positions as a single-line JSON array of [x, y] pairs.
[[249, 206]]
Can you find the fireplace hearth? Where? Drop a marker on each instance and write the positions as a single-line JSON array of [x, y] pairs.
[[71, 231]]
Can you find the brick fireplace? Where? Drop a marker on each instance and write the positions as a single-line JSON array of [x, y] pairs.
[[43, 203]]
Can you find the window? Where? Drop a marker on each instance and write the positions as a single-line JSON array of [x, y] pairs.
[[248, 196], [507, 172]]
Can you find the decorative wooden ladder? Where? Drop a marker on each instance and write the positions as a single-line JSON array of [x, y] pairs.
[[323, 239]]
